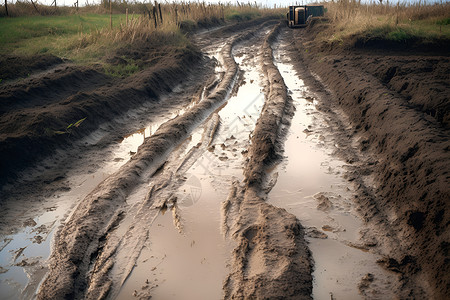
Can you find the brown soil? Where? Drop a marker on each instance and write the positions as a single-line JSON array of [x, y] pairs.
[[401, 134], [397, 103], [14, 67], [35, 112]]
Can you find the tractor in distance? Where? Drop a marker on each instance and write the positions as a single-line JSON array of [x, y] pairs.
[[300, 16]]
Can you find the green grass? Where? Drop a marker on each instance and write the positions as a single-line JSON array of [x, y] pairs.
[[425, 30], [443, 22], [85, 38], [49, 34], [410, 24], [433, 26], [122, 70]]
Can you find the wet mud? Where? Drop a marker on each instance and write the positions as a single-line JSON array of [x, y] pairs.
[[40, 119], [309, 184], [405, 147], [270, 175], [82, 235], [271, 258]]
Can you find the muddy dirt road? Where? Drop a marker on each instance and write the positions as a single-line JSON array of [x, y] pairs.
[[232, 185]]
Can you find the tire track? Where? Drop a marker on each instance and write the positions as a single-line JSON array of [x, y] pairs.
[[78, 240], [271, 259]]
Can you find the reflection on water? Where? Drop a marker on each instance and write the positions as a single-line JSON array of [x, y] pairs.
[[21, 275], [191, 263], [310, 187]]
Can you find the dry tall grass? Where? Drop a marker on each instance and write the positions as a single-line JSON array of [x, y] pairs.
[[351, 17], [160, 24]]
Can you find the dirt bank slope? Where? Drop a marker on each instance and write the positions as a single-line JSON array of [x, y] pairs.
[[399, 107], [271, 260], [37, 123]]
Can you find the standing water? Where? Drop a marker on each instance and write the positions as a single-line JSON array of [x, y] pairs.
[[185, 256], [311, 187], [24, 254]]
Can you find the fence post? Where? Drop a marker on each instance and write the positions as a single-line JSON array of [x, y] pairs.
[[6, 7], [155, 17], [160, 14], [34, 6], [176, 15], [110, 14], [396, 21]]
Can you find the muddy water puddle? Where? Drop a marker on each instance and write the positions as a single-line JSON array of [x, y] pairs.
[[23, 254], [185, 255], [310, 186]]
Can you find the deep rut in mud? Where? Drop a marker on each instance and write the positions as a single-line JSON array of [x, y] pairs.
[[235, 195]]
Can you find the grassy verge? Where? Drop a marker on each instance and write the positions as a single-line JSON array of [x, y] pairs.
[[58, 35], [85, 36], [356, 23]]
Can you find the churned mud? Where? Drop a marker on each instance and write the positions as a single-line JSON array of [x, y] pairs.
[[397, 106], [242, 169], [309, 184], [271, 258]]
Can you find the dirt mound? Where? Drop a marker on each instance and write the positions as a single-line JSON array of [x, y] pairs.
[[398, 105], [12, 67], [44, 108], [411, 46], [60, 83], [423, 81]]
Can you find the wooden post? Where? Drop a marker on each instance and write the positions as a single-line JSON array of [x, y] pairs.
[[160, 14], [155, 17], [6, 7], [176, 15], [34, 6], [396, 21], [126, 11], [110, 14]]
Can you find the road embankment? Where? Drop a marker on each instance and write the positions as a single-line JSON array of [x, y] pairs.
[[44, 107], [408, 140]]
